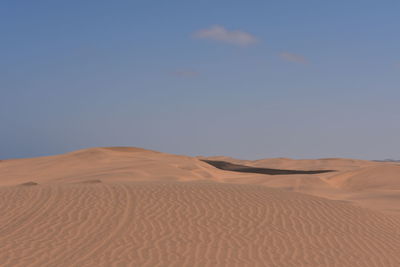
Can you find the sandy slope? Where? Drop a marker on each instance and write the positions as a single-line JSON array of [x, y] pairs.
[[370, 184], [135, 207], [114, 164], [188, 224], [339, 164]]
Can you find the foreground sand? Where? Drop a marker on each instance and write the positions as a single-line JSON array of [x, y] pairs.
[[132, 207]]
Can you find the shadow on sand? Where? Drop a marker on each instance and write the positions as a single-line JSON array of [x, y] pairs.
[[223, 165]]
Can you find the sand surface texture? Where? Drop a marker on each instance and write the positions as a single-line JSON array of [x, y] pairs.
[[135, 207]]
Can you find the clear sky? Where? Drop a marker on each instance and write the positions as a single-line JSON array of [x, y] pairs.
[[249, 79]]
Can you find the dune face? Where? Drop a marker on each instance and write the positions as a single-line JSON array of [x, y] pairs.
[[189, 224], [366, 178], [337, 164], [370, 184], [135, 207], [108, 164]]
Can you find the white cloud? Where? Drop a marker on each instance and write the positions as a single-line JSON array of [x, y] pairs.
[[221, 34], [293, 57], [186, 73]]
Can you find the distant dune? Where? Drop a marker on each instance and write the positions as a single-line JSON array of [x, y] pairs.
[[338, 164], [135, 207]]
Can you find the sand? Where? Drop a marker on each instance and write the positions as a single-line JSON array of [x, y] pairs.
[[135, 207]]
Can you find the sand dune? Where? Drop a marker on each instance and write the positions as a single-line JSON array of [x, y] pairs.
[[114, 164], [370, 184], [339, 164], [136, 207], [373, 177], [189, 224]]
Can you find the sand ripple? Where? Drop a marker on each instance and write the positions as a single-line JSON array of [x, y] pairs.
[[188, 224]]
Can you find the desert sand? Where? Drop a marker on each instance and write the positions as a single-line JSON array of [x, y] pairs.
[[134, 207]]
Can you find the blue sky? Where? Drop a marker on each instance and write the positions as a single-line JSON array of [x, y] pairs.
[[249, 79]]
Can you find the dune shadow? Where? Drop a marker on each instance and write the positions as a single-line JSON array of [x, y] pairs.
[[93, 181], [227, 166], [29, 184]]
